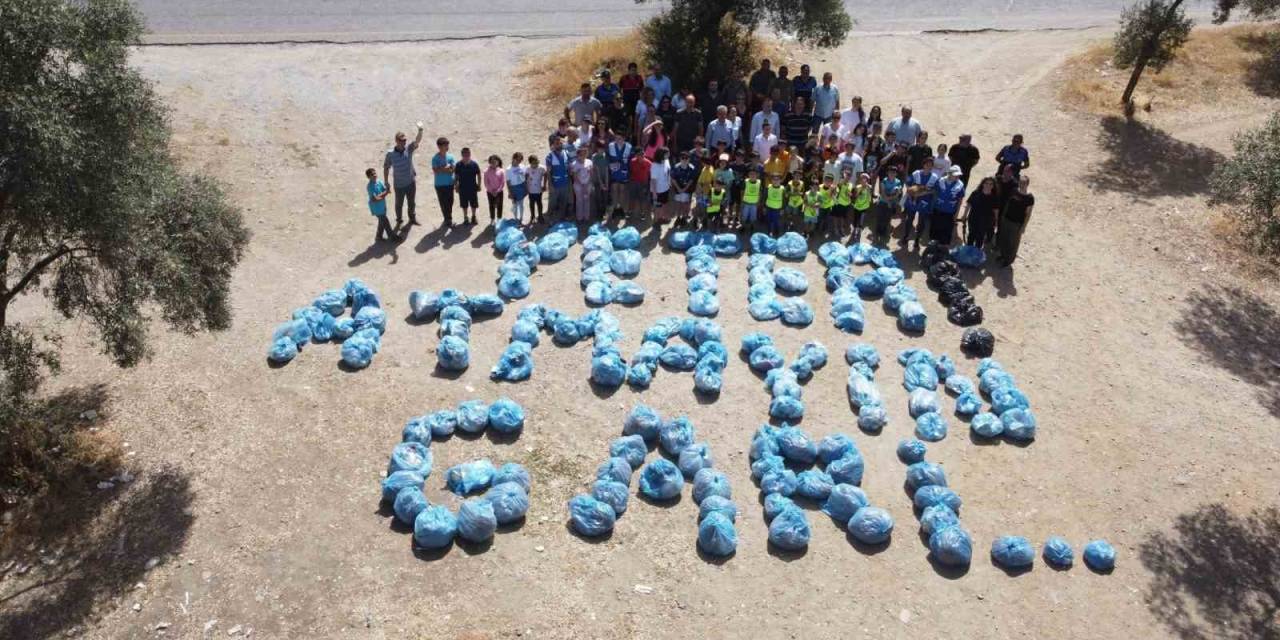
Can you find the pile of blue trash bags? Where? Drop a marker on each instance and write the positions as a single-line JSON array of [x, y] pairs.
[[920, 377], [864, 397], [700, 350], [936, 506], [608, 368], [701, 270], [783, 382], [829, 475], [943, 275], [521, 257], [661, 480], [606, 254], [454, 310], [884, 280], [1010, 416], [323, 321], [764, 283]]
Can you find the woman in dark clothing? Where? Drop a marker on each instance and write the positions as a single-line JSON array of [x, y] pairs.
[[980, 213], [1013, 220], [666, 112], [873, 118], [1006, 186]]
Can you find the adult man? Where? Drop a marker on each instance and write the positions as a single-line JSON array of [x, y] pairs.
[[796, 124], [618, 154], [607, 89], [1014, 154], [921, 189], [688, 123], [964, 155], [826, 98], [721, 130], [904, 127], [764, 142], [584, 107], [400, 158], [783, 88], [854, 115], [759, 84], [631, 84], [561, 132], [558, 175], [950, 193], [802, 86], [660, 84], [917, 152], [711, 99], [442, 166], [765, 115]]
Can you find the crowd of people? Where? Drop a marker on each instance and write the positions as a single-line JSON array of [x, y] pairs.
[[775, 153]]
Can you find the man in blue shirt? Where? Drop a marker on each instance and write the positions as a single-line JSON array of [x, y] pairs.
[[946, 203], [826, 97], [921, 188], [607, 89], [721, 130], [442, 166], [398, 162], [1014, 154], [660, 84], [558, 174], [377, 191]]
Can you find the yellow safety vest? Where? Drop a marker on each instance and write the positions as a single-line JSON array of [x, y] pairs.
[[845, 195], [824, 198], [812, 200], [751, 192], [773, 197], [797, 192], [717, 196], [863, 201]]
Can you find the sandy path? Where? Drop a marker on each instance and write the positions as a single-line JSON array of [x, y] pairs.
[[1137, 425]]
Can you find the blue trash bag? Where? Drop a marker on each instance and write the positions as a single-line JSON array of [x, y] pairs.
[[897, 295], [786, 408], [678, 240], [416, 430], [313, 316], [834, 447], [507, 238], [452, 354], [923, 474], [567, 229], [625, 238], [642, 421], [595, 273], [435, 527], [796, 312], [1008, 398], [716, 535], [613, 493], [763, 446], [553, 247], [815, 352], [675, 434], [994, 379], [912, 451], [792, 246], [661, 480], [616, 469], [864, 353], [989, 364], [881, 257], [844, 501], [862, 391], [783, 383], [296, 330], [1057, 553], [625, 262], [839, 278], [630, 448], [776, 503], [640, 375], [323, 331], [959, 385], [702, 331], [505, 416], [920, 375], [357, 351], [590, 517], [526, 252], [871, 525], [933, 494], [565, 332], [1012, 552], [700, 265], [795, 445], [753, 341], [914, 354], [813, 484], [509, 500], [704, 303], [802, 367], [506, 223], [709, 482], [708, 377], [937, 518], [852, 321], [608, 370], [513, 267], [847, 469], [512, 472], [833, 252], [781, 481], [393, 483], [726, 244], [410, 456], [890, 275], [628, 292], [679, 356], [515, 363], [968, 256], [409, 503], [1019, 424], [861, 253], [951, 546], [763, 243], [703, 282], [922, 401], [872, 418], [343, 328], [790, 280], [790, 530], [514, 286], [469, 477], [455, 328], [871, 284], [931, 427], [282, 350], [986, 425], [945, 366], [766, 464], [912, 318], [597, 242], [332, 302], [359, 295], [765, 310], [534, 314], [694, 458], [712, 351], [717, 504], [1099, 555], [486, 304], [845, 300], [526, 332], [968, 404]]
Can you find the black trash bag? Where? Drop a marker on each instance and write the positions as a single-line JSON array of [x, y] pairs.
[[953, 297], [950, 290], [965, 314], [977, 342], [932, 254], [940, 271]]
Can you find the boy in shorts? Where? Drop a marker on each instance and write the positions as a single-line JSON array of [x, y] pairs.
[[827, 201], [811, 207], [466, 180], [793, 219], [752, 189], [775, 196], [716, 199]]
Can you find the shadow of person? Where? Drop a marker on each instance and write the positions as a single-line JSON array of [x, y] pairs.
[[379, 249], [1145, 161], [1236, 330], [1216, 574], [1002, 280]]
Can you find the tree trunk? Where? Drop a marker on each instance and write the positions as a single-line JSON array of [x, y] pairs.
[[1138, 67], [1148, 50]]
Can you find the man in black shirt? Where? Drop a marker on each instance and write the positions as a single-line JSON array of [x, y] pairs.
[[760, 83], [964, 155], [710, 99], [917, 152], [688, 124], [795, 125]]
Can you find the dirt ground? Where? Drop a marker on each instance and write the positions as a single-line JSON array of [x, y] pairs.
[[1151, 366]]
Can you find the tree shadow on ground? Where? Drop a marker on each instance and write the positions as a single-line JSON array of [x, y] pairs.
[[1236, 330], [101, 557], [1217, 575], [1262, 75], [1147, 162]]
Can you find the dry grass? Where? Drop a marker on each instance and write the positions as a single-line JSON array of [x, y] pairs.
[[1214, 66]]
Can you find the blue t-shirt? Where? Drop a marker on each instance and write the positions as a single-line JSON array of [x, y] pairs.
[[439, 162], [890, 190], [1015, 157], [923, 204], [950, 194], [377, 207], [606, 92]]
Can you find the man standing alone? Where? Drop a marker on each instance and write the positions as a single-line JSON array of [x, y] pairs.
[[964, 155], [399, 162], [442, 166]]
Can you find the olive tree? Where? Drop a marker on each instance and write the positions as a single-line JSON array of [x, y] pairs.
[[1151, 32], [1249, 184], [1255, 9]]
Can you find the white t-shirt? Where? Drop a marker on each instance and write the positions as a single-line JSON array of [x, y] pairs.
[[941, 163], [515, 175], [758, 120], [762, 145], [830, 128], [850, 161], [660, 177], [851, 118]]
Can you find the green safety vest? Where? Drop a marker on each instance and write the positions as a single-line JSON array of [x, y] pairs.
[[863, 201], [812, 201], [716, 198], [797, 193], [773, 198], [824, 199], [845, 196], [751, 192]]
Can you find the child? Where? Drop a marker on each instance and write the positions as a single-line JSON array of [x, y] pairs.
[[861, 203], [706, 176], [517, 178], [794, 217], [378, 206], [750, 200], [715, 203], [466, 180], [844, 200], [813, 201], [641, 200], [536, 179], [887, 207], [826, 200], [774, 196], [683, 178], [724, 175], [738, 166], [494, 180]]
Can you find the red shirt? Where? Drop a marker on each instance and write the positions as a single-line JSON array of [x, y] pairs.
[[640, 170], [631, 86]]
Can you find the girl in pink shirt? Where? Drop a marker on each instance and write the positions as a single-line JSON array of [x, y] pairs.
[[494, 180]]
